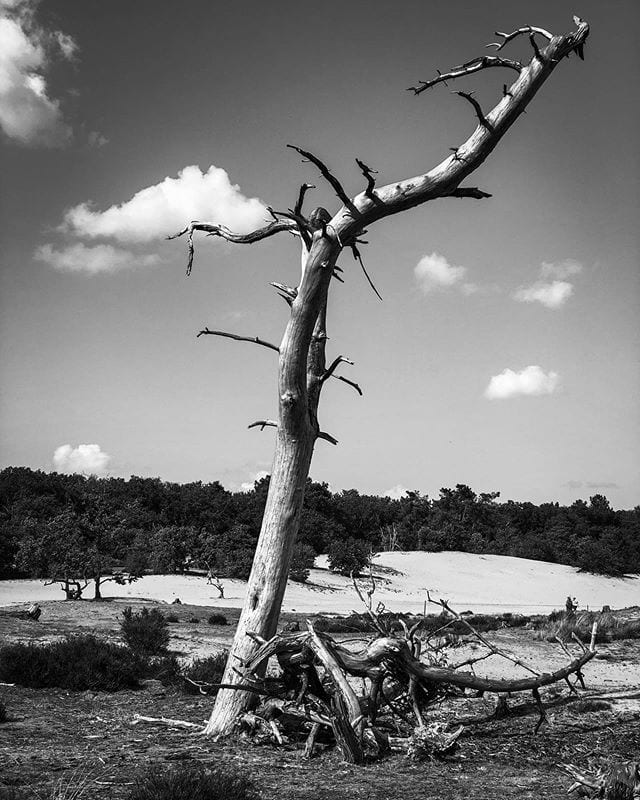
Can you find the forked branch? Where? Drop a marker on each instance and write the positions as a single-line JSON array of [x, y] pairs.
[[475, 65], [524, 31]]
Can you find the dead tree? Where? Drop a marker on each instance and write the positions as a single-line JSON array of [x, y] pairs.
[[302, 366]]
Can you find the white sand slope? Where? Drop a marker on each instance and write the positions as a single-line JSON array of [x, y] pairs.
[[490, 584]]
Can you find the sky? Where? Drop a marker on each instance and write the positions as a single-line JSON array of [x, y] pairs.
[[504, 354]]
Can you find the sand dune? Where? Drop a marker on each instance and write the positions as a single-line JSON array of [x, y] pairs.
[[482, 583]]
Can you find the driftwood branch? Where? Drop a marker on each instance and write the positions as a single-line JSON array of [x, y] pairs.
[[472, 191], [371, 181], [475, 65], [252, 339]]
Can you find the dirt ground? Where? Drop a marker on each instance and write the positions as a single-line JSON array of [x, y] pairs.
[[55, 737]]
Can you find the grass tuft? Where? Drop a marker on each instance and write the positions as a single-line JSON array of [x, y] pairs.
[[194, 782]]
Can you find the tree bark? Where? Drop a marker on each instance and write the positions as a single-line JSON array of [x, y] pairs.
[[302, 349]]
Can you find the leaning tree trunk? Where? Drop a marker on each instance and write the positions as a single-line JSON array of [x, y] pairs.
[[301, 368]]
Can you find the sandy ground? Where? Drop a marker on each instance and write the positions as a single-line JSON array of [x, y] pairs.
[[482, 583]]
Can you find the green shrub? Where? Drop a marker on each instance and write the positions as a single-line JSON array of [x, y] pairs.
[[76, 663], [3, 713], [194, 620], [172, 618], [205, 670], [217, 619], [146, 632], [194, 782]]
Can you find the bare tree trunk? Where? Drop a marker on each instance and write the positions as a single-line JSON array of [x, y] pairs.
[[302, 350]]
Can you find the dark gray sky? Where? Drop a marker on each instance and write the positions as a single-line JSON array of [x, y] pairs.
[[505, 353]]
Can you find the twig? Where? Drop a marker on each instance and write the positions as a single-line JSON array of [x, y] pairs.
[[252, 339]]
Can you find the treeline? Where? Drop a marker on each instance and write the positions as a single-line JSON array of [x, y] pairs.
[[70, 527]]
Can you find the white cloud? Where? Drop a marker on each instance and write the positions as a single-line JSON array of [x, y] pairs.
[[87, 459], [247, 486], [396, 492], [164, 208], [563, 269], [531, 380], [28, 114], [435, 272], [552, 295], [92, 260]]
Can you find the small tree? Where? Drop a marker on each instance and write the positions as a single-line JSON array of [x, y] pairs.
[[303, 370], [302, 560], [348, 557]]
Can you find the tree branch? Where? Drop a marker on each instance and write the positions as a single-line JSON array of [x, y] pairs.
[[475, 65], [303, 190], [252, 339], [328, 176], [358, 258], [335, 363], [530, 29], [353, 384], [371, 181], [277, 226], [327, 437], [263, 423], [478, 109], [473, 192]]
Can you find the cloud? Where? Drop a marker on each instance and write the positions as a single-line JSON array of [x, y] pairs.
[[531, 380], [563, 269], [92, 260], [591, 485], [87, 459], [552, 295], [396, 492], [434, 272], [164, 208], [247, 486], [96, 139], [28, 114]]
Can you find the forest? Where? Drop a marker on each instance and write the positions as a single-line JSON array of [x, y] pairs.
[[71, 527]]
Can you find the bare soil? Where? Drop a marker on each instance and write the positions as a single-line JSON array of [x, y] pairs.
[[55, 737]]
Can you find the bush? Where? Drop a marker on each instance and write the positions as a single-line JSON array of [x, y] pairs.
[[302, 560], [76, 663], [146, 632], [194, 782], [217, 619], [348, 556], [172, 618], [164, 668], [194, 620], [205, 670], [3, 713]]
